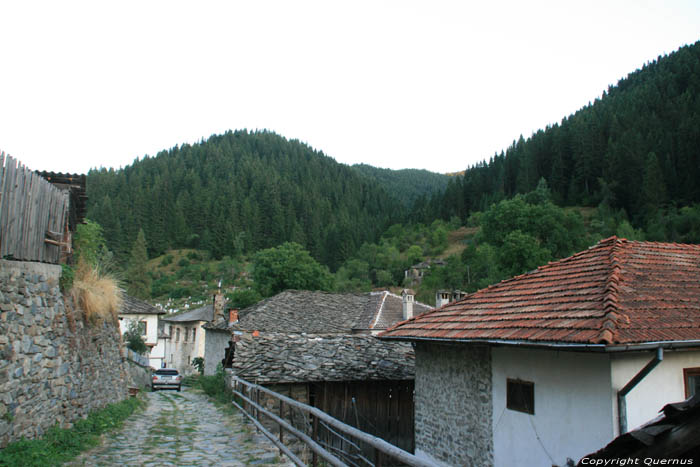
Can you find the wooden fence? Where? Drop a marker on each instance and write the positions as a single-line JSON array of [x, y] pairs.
[[33, 214], [309, 431]]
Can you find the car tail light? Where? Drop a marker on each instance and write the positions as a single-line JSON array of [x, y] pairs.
[[155, 377]]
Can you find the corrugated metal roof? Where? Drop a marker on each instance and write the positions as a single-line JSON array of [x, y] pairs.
[[616, 292]]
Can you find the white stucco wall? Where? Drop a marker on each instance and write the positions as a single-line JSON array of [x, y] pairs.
[[179, 354], [151, 326], [660, 387], [573, 413], [157, 355]]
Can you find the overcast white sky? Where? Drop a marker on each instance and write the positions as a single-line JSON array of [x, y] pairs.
[[439, 85]]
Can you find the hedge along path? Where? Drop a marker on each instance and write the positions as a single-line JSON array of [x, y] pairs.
[[184, 429]]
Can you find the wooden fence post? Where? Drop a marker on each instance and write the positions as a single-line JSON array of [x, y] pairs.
[[314, 436], [281, 416]]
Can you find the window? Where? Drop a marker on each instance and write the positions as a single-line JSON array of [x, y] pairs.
[[177, 334], [143, 326], [194, 330], [187, 334], [520, 396], [691, 377]]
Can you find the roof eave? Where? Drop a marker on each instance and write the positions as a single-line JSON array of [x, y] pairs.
[[574, 346]]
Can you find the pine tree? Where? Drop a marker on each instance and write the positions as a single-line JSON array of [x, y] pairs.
[[139, 282]]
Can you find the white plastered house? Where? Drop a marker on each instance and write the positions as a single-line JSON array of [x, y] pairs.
[[183, 338], [553, 364], [146, 317]]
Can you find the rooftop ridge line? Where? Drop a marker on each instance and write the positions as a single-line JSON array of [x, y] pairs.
[[614, 316], [378, 312]]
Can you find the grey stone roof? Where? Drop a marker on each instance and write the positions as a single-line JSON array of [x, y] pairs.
[[384, 309], [205, 313], [134, 306], [290, 358], [298, 311]]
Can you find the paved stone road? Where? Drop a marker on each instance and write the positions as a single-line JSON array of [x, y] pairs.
[[184, 428]]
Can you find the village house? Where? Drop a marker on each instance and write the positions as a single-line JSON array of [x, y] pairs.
[[145, 316], [414, 275], [553, 364], [319, 348], [183, 337]]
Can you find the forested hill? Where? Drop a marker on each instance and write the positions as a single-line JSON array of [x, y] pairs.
[[636, 148], [406, 184], [237, 193]]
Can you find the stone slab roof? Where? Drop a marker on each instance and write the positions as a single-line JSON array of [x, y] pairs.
[[299, 311], [134, 306], [290, 358], [384, 309], [616, 292], [205, 313]]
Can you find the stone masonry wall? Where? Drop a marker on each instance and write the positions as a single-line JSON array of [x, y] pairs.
[[453, 404], [54, 368]]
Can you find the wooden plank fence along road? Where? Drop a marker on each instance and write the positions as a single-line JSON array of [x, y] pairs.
[[31, 209]]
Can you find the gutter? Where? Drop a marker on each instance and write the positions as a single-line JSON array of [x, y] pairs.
[[622, 393], [668, 345]]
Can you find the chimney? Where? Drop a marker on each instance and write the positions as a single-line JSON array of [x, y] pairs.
[[407, 295], [442, 297], [233, 315], [218, 306]]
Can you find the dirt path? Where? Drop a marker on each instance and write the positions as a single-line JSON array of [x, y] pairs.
[[184, 428]]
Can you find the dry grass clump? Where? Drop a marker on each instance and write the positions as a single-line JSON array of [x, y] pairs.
[[96, 293]]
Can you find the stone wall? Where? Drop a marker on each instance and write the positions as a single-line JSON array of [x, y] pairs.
[[215, 345], [54, 368], [138, 376], [453, 404]]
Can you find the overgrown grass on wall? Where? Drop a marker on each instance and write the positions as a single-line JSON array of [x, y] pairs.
[[61, 445]]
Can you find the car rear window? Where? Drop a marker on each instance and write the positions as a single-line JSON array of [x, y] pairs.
[[167, 372]]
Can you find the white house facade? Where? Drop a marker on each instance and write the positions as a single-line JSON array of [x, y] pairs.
[[146, 318], [184, 337], [548, 367]]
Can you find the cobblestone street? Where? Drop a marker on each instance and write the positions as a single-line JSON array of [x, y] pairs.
[[184, 428]]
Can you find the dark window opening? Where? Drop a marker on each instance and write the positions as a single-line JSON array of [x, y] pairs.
[[520, 396], [691, 377]]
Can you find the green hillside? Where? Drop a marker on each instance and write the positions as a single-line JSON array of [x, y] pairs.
[[637, 148], [237, 193], [406, 184]]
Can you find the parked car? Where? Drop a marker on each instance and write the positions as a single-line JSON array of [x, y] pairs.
[[166, 378]]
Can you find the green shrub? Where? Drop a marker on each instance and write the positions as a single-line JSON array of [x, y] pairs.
[[214, 386], [168, 259], [194, 256], [65, 282]]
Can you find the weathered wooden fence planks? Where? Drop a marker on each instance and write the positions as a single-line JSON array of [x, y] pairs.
[[29, 208]]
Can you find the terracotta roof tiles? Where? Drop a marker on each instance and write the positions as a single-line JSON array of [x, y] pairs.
[[616, 292]]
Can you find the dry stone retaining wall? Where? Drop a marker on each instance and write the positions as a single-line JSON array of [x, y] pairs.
[[53, 367]]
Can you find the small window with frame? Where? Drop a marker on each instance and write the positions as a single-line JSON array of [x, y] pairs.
[[691, 379], [520, 396]]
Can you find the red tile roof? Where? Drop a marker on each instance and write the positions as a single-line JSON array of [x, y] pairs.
[[616, 292]]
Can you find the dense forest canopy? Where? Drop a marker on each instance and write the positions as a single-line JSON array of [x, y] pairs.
[[637, 148], [238, 193], [406, 184]]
